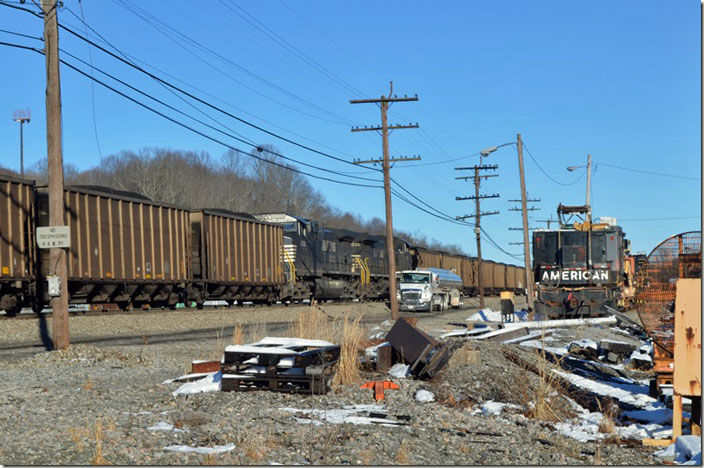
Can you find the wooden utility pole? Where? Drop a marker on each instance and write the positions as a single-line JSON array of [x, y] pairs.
[[478, 214], [59, 305], [385, 102], [526, 244]]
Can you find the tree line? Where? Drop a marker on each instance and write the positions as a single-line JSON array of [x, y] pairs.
[[236, 181]]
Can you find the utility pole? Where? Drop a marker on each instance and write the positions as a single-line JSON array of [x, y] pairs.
[[385, 102], [526, 245], [589, 182], [21, 116], [59, 305], [478, 214]]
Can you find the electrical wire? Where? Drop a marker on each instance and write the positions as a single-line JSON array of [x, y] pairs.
[[238, 138], [134, 59], [649, 172], [162, 27], [92, 85], [186, 93], [198, 132], [546, 174]]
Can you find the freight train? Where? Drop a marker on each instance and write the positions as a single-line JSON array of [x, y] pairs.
[[582, 266], [128, 251]]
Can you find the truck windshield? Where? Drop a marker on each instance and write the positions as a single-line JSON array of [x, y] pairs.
[[420, 278]]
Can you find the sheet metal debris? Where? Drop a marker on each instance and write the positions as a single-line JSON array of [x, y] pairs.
[[422, 352]]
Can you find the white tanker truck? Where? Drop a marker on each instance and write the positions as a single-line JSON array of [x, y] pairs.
[[428, 289]]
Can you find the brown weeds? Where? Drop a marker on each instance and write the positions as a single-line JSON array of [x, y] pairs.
[[237, 336], [402, 453], [88, 385], [350, 346], [98, 454]]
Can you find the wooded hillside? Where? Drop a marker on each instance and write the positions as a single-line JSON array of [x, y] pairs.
[[235, 182]]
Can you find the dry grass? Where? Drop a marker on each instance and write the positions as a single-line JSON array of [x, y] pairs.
[[209, 459], [217, 354], [402, 453], [237, 335], [545, 402], [88, 385], [253, 448], [606, 424], [366, 457], [98, 454], [351, 343], [314, 324], [77, 435]]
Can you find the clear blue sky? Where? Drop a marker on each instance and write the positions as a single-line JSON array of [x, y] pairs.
[[618, 80]]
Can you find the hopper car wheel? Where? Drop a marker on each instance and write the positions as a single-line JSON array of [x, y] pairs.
[[199, 305], [11, 312], [37, 306]]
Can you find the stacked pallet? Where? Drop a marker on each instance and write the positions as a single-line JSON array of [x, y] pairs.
[[280, 364]]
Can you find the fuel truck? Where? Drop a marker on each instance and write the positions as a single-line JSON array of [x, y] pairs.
[[426, 289]]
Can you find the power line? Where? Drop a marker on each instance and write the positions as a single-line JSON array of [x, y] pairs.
[[92, 85], [189, 127], [190, 95], [272, 35], [238, 138], [548, 175], [162, 27], [648, 172], [134, 59]]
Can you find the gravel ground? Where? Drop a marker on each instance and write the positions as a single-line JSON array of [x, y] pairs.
[[102, 403]]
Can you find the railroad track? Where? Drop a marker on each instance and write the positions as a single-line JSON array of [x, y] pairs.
[[28, 314], [21, 350]]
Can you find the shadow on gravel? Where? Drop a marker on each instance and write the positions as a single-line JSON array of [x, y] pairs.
[[47, 342]]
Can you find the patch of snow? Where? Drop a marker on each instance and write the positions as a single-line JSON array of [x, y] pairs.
[[634, 394], [424, 396], [495, 408], [202, 450], [164, 426], [652, 415], [687, 450], [400, 370], [211, 383], [539, 345], [346, 414], [488, 315]]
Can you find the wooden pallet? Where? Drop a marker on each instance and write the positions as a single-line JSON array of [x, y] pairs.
[[311, 384], [282, 369]]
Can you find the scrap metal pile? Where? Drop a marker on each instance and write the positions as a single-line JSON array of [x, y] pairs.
[[679, 256]]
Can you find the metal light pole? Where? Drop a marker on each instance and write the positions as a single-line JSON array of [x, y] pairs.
[[22, 116], [589, 183], [524, 209]]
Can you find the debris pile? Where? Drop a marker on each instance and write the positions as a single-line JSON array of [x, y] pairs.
[[280, 364]]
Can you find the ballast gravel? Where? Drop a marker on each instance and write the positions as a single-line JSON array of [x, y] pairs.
[[105, 403]]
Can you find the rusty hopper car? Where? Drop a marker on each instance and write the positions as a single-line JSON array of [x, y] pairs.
[[125, 249], [469, 276], [234, 256], [17, 275]]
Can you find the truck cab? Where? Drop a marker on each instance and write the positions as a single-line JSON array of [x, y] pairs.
[[428, 289]]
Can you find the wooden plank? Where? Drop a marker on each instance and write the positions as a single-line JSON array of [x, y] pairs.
[[688, 337]]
